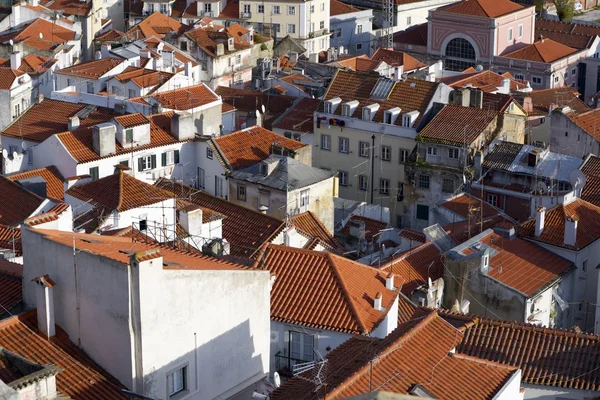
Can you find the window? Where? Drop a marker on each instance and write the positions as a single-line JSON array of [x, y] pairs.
[[163, 8], [408, 21], [170, 158], [363, 149], [17, 110], [452, 153], [305, 198], [128, 135], [94, 173], [386, 153], [423, 212], [291, 10], [492, 199], [555, 78], [90, 87], [277, 28], [584, 266], [209, 153], [322, 25], [358, 46], [312, 27], [519, 77], [536, 80], [207, 8], [403, 156], [312, 9], [264, 198], [510, 34], [177, 381], [358, 29], [338, 32], [69, 82], [460, 54], [30, 156], [291, 28], [261, 8], [301, 346], [183, 45], [325, 142], [566, 74], [520, 30], [384, 186], [146, 163], [448, 185], [344, 145], [276, 10], [114, 90], [322, 6], [124, 162], [406, 121], [363, 182], [432, 151], [241, 193], [201, 178], [343, 176], [424, 181], [400, 194], [566, 133], [573, 71], [218, 186], [132, 93], [247, 9]]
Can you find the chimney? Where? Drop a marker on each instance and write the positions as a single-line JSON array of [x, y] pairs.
[[476, 98], [263, 209], [466, 97], [571, 230], [505, 86], [182, 126], [104, 139], [377, 302], [190, 219], [220, 49], [389, 281], [527, 104], [45, 304], [73, 123], [15, 59], [540, 216]]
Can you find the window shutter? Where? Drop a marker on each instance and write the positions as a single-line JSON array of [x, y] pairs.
[[176, 156], [153, 161], [163, 158], [140, 164]]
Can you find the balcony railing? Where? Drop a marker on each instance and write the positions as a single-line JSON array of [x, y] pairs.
[[284, 365], [245, 15]]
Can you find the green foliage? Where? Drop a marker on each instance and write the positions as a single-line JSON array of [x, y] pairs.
[[264, 47], [565, 9]]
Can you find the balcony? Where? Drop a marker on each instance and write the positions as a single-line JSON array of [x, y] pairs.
[[245, 15], [284, 365]]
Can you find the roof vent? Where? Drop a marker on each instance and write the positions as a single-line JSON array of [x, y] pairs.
[[377, 302], [389, 281]]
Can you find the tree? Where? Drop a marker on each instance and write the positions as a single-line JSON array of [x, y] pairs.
[[565, 9]]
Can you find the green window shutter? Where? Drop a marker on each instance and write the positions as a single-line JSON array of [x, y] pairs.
[[176, 156], [140, 164], [153, 161], [163, 158]]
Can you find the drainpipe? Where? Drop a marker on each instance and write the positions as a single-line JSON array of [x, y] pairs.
[[372, 167]]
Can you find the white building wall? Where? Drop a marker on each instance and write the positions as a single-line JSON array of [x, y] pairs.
[[212, 168], [542, 392], [345, 32]]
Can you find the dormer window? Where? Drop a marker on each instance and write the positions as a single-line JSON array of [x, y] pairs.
[[349, 108], [346, 110], [406, 121], [390, 116], [332, 104], [264, 169], [369, 112], [366, 114]]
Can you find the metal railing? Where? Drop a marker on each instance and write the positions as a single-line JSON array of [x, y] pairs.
[[284, 365]]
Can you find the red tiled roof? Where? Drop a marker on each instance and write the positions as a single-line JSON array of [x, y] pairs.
[[309, 224], [10, 239], [39, 33], [157, 25], [397, 58], [8, 76], [110, 36], [415, 35], [49, 117], [131, 120], [143, 77], [54, 180], [296, 81], [32, 64], [588, 121], [119, 191], [186, 98], [413, 268], [336, 7], [483, 8], [457, 125], [299, 118], [231, 11], [464, 230], [16, 203], [544, 51], [409, 95], [207, 38], [52, 214], [465, 205], [11, 293], [559, 97], [417, 352], [488, 81], [246, 230], [79, 143], [413, 235], [372, 226], [591, 170], [566, 27], [324, 291], [359, 63], [94, 69], [251, 145], [69, 7], [588, 227]]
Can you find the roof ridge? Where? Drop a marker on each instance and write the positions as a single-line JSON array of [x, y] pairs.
[[483, 361], [333, 266]]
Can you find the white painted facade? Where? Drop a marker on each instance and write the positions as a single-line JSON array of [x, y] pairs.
[[353, 32], [15, 100], [145, 321], [546, 392], [130, 89], [570, 138], [210, 174], [91, 86], [416, 13]]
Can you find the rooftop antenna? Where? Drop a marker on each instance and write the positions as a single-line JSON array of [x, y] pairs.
[[388, 29]]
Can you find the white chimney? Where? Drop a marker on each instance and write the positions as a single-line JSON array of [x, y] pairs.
[[570, 230], [15, 59], [505, 86], [190, 219], [389, 281], [73, 123], [45, 304], [287, 236], [377, 302], [540, 216], [182, 126]]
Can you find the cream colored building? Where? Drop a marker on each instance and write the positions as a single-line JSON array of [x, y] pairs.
[[367, 135], [305, 21]]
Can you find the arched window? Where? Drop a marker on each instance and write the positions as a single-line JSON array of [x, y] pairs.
[[460, 55]]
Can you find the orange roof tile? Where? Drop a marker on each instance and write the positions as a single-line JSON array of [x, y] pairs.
[[483, 8], [246, 230], [397, 58], [309, 224], [10, 239], [544, 51], [207, 38], [51, 215], [94, 69], [416, 35], [157, 25], [588, 227], [466, 205], [143, 77], [54, 180], [186, 98], [591, 189], [559, 97], [299, 118], [336, 7], [111, 35], [372, 226], [39, 33], [324, 291], [80, 376], [131, 120], [359, 63], [251, 145], [421, 350], [457, 125], [70, 7], [11, 293], [8, 77], [16, 203], [413, 235], [588, 121], [464, 230], [32, 64], [488, 81], [119, 191], [231, 11]]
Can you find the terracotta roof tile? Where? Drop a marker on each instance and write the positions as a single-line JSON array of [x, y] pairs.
[[231, 11], [413, 235], [415, 348], [336, 7], [52, 214], [119, 191], [54, 180], [413, 268], [299, 118], [186, 98], [310, 225], [51, 34], [11, 292], [94, 69], [10, 239], [566, 27], [16, 203], [324, 291], [576, 41], [544, 51], [483, 8], [157, 25], [560, 97], [465, 205], [143, 77], [588, 121], [457, 125], [397, 58], [131, 120], [246, 230], [80, 376], [8, 77], [360, 63], [502, 155], [109, 36], [32, 64], [251, 145], [591, 189], [208, 37], [415, 35], [409, 95], [69, 7], [372, 226], [487, 81]]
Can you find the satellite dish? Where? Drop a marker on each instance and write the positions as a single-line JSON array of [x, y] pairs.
[[24, 146], [15, 155], [479, 68], [4, 153], [541, 187], [577, 179], [276, 379]]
